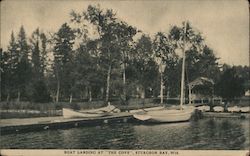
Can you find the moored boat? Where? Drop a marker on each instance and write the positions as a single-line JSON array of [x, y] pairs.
[[218, 109], [203, 108], [166, 115], [146, 109], [234, 109], [109, 108], [245, 109], [69, 113]]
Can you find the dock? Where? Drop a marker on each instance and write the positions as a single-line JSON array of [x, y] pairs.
[[8, 126], [225, 115]]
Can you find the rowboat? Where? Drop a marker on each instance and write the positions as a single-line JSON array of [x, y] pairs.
[[109, 108], [203, 108], [172, 114], [100, 112], [146, 109], [218, 109], [234, 109], [69, 113], [245, 109]]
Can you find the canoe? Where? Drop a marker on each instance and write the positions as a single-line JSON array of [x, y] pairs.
[[69, 113], [166, 115]]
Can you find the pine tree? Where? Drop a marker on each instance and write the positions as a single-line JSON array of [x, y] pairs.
[[23, 70], [63, 63]]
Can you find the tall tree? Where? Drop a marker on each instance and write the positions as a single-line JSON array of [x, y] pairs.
[[166, 57], [63, 59], [106, 25], [146, 69], [36, 52], [10, 62]]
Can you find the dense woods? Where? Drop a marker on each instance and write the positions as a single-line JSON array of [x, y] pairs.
[[98, 56]]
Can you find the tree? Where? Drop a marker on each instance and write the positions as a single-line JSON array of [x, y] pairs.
[[146, 69], [200, 59], [165, 57], [10, 62], [229, 86], [106, 25], [36, 60], [63, 59]]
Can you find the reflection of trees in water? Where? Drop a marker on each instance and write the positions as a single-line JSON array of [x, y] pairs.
[[115, 136]]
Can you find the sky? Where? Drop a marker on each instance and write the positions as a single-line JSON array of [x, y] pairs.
[[223, 23]]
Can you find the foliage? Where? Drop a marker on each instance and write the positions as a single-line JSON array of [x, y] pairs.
[[40, 92], [100, 56], [230, 85]]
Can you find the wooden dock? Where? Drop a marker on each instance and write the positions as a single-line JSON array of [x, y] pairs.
[[226, 115], [8, 126]]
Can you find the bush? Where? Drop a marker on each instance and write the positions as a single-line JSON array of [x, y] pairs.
[[74, 106]]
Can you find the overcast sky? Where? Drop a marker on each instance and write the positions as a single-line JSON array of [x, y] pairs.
[[223, 23]]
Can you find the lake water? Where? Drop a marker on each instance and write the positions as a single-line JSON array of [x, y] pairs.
[[202, 134]]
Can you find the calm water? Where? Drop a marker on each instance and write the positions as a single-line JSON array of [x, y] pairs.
[[204, 134]]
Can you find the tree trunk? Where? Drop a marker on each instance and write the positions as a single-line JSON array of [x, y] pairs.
[[58, 91], [90, 95], [142, 93], [70, 98], [162, 85], [124, 80], [18, 95], [108, 83], [8, 97]]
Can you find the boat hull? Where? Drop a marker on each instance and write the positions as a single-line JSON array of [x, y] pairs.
[[165, 116], [68, 113]]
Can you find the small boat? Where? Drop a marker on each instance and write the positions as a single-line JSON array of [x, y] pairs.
[[104, 111], [245, 109], [218, 109], [109, 108], [166, 115], [69, 113], [233, 109], [146, 109], [203, 108]]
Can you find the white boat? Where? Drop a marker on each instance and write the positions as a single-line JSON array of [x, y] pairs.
[[166, 115], [104, 111], [172, 114], [146, 109], [233, 109], [203, 108], [218, 109], [109, 108], [245, 109], [69, 113]]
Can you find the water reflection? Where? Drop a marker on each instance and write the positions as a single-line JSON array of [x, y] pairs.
[[202, 134]]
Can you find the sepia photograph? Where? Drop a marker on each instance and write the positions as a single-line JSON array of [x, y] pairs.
[[125, 77]]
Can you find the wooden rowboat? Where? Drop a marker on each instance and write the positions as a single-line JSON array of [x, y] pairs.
[[69, 113]]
